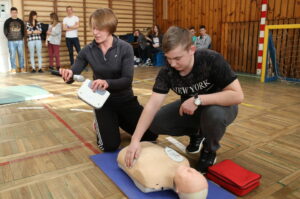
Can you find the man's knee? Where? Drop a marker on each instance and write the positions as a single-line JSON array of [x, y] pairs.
[[213, 115]]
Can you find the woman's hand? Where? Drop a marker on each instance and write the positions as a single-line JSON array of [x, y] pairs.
[[66, 74], [99, 84]]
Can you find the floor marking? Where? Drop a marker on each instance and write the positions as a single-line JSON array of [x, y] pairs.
[[81, 110], [30, 107], [252, 106], [40, 155], [88, 145]]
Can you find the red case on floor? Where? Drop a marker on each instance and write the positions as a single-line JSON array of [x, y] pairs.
[[233, 177]]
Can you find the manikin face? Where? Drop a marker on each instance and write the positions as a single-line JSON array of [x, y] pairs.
[[202, 31], [180, 59], [70, 11], [100, 35], [188, 180], [14, 14]]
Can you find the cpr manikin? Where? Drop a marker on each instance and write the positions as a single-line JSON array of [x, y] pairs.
[[159, 168]]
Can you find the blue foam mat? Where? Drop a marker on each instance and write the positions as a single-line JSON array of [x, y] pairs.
[[13, 94], [107, 162]]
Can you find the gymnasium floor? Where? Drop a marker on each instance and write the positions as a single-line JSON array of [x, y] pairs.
[[44, 151]]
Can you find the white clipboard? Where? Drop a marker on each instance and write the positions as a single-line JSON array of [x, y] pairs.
[[95, 99]]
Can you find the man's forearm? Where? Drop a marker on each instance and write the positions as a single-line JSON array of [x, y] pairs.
[[223, 98]]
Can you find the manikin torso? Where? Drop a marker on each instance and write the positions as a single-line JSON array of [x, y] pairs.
[[159, 168]]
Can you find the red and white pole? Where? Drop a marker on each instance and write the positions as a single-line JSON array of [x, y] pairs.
[[263, 17]]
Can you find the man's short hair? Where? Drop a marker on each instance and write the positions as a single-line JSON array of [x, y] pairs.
[[202, 27], [176, 36], [192, 28], [69, 7], [13, 9], [104, 18]]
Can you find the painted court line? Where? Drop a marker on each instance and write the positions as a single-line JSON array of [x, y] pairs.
[[88, 145], [81, 110], [252, 106], [39, 155]]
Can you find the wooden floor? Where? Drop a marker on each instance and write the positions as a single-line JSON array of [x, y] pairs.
[[44, 151]]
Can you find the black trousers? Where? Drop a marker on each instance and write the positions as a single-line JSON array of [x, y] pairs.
[[114, 115], [70, 43], [208, 121]]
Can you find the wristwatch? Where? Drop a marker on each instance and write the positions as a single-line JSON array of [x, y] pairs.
[[197, 100]]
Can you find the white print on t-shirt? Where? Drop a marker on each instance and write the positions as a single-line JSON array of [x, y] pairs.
[[71, 21], [194, 88], [155, 40]]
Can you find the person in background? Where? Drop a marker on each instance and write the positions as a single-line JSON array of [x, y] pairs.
[[155, 40], [192, 30], [53, 40], [204, 40], [71, 25], [34, 31], [142, 44], [14, 30], [111, 60]]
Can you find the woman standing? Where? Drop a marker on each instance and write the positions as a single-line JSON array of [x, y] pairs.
[[53, 40], [34, 30]]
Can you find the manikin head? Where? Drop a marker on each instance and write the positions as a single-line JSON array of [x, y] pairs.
[[190, 184], [103, 23], [178, 48], [14, 12]]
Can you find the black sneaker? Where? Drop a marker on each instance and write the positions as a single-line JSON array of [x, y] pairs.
[[51, 68], [33, 71], [40, 71], [206, 160], [195, 144]]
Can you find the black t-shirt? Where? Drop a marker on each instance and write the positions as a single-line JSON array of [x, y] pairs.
[[210, 74]]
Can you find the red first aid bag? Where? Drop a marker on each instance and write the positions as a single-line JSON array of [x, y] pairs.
[[233, 177]]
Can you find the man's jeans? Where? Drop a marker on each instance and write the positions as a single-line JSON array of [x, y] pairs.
[[13, 47], [38, 45], [208, 121], [70, 43]]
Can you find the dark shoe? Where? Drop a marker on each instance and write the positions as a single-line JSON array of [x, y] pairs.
[[57, 68], [195, 144], [51, 68], [40, 71], [206, 160], [33, 71]]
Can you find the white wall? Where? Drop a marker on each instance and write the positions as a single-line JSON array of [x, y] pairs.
[[4, 54]]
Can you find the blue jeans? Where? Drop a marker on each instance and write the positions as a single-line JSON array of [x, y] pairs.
[[13, 47], [31, 46]]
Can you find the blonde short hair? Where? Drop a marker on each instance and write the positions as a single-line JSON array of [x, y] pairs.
[[176, 36], [104, 18]]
